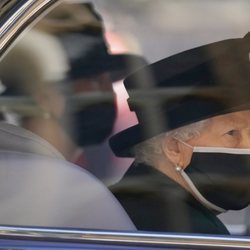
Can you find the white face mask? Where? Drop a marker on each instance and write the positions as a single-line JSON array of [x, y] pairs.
[[219, 177]]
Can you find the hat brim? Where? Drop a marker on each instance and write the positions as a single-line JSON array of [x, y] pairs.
[[196, 110]]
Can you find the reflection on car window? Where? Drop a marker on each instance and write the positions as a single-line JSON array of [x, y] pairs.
[[147, 99]]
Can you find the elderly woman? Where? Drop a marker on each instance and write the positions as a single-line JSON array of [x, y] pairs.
[[192, 143]]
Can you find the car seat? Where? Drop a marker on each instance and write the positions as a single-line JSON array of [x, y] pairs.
[[39, 188]]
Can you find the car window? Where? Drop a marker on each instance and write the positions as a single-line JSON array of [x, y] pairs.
[[136, 112]]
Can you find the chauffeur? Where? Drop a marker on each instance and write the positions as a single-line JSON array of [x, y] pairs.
[[191, 148]]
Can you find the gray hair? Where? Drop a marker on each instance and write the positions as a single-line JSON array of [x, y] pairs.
[[150, 150]]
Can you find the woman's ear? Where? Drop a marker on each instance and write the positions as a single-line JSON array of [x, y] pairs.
[[171, 150], [177, 152]]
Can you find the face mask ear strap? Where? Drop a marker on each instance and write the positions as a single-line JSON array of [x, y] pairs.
[[186, 144]]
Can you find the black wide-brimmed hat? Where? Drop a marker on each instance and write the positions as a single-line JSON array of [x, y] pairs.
[[80, 29], [188, 87], [98, 60]]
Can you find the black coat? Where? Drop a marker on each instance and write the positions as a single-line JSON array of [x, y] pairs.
[[156, 203]]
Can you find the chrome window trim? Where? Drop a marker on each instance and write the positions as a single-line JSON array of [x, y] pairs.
[[20, 18], [121, 238]]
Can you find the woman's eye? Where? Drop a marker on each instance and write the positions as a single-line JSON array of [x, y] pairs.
[[232, 132]]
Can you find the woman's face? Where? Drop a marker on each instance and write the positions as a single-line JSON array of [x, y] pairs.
[[230, 130]]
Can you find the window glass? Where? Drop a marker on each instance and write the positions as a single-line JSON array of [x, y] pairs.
[[166, 150]]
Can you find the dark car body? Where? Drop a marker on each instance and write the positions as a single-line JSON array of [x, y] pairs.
[[16, 17]]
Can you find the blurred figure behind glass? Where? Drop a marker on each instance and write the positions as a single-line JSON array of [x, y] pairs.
[[79, 109]]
